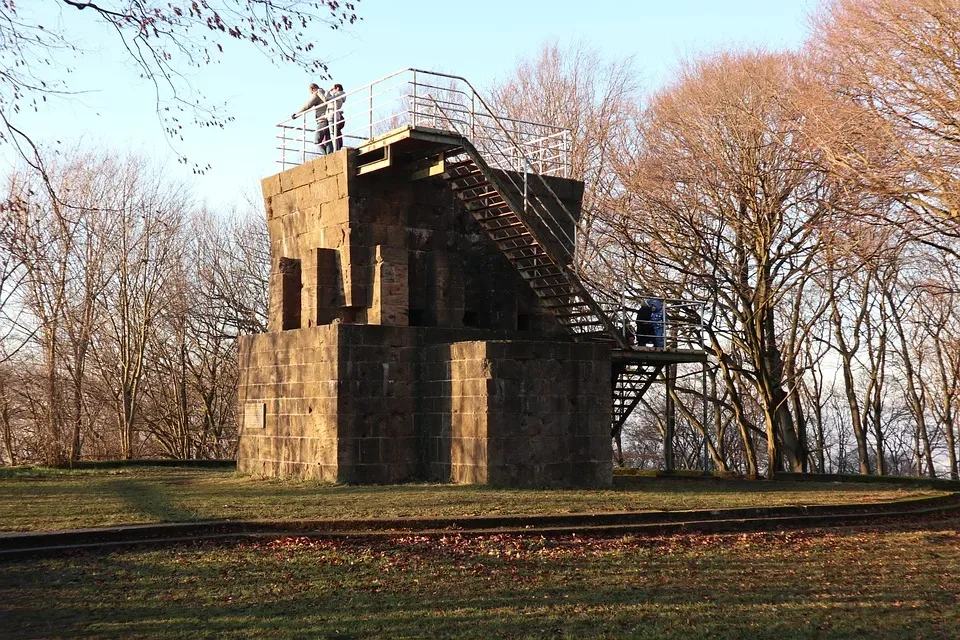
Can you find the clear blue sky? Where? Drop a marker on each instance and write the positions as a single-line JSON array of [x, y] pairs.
[[478, 40]]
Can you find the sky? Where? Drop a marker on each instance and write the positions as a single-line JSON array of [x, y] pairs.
[[481, 41]]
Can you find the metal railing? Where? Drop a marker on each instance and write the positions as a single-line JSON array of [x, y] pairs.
[[431, 100], [417, 98], [679, 325], [526, 151]]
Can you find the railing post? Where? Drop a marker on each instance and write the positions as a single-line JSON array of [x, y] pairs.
[[525, 198], [623, 315], [473, 116], [303, 138], [370, 112], [667, 330], [281, 139], [703, 389], [703, 399], [413, 117]]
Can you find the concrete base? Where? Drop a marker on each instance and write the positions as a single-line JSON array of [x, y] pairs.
[[387, 404]]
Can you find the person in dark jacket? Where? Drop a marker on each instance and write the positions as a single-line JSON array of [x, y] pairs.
[[656, 319], [644, 326], [337, 97], [318, 102]]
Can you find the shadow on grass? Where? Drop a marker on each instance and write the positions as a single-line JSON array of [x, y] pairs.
[[148, 500]]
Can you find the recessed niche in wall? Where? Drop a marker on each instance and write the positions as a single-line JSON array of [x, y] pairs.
[[291, 285]]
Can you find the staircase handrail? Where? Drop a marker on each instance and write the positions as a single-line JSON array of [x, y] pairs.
[[609, 328]]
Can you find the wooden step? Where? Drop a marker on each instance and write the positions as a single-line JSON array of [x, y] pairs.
[[502, 216], [548, 282], [457, 188], [541, 271], [498, 209], [454, 166]]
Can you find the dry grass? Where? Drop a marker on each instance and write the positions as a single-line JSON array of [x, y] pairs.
[[37, 500], [881, 583]]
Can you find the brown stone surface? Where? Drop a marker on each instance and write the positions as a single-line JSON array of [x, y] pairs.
[[408, 363]]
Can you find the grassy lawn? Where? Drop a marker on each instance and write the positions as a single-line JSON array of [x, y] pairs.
[[879, 583], [37, 500]]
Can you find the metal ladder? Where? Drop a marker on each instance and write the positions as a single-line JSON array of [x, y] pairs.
[[508, 224]]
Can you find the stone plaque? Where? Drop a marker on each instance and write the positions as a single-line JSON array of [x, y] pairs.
[[255, 415]]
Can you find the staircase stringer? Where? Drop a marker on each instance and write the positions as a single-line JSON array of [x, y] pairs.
[[620, 372]]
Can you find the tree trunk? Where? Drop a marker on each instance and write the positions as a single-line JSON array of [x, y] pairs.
[[712, 451], [184, 416], [5, 423], [952, 451], [802, 449], [54, 449], [126, 428], [738, 411]]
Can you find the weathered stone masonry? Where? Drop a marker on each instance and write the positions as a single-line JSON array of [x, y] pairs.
[[402, 346]]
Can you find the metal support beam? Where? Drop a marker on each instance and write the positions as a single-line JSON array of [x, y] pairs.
[[670, 420]]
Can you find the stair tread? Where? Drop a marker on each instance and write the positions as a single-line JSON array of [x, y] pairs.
[[459, 188], [512, 225], [487, 194]]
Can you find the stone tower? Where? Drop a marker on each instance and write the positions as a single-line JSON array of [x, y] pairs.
[[404, 346]]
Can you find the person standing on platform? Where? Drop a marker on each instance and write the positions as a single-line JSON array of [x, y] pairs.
[[644, 326], [657, 321], [337, 97], [318, 101]]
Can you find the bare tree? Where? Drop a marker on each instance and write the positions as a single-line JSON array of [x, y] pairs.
[[193, 343], [937, 336], [147, 246], [40, 41], [42, 235], [892, 126], [233, 270], [572, 86], [724, 203]]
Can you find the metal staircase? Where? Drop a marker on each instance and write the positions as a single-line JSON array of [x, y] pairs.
[[630, 380], [541, 260]]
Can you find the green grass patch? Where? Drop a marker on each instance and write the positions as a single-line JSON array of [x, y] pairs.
[[879, 583], [43, 499]]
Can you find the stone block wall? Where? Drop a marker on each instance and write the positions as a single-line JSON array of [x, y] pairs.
[[393, 352], [376, 432], [526, 414], [382, 249], [368, 404], [547, 413], [308, 209], [288, 394]]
